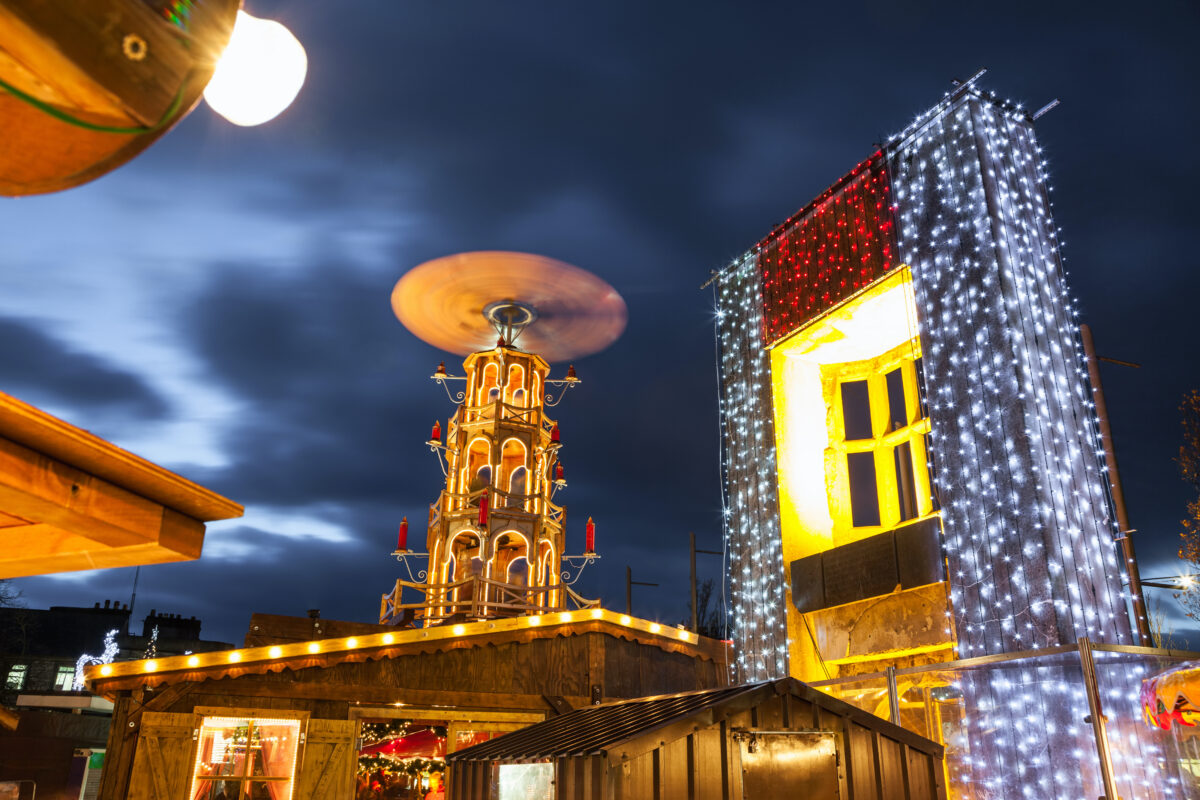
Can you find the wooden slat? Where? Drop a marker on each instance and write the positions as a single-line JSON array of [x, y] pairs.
[[329, 760]]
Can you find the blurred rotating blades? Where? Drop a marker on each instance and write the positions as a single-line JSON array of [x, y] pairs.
[[461, 303]]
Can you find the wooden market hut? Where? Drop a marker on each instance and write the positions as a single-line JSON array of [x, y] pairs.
[[318, 681], [779, 739]]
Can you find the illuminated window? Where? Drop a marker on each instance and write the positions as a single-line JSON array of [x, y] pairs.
[[245, 757], [879, 434], [16, 677], [64, 679]]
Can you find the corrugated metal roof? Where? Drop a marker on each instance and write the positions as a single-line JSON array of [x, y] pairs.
[[593, 730]]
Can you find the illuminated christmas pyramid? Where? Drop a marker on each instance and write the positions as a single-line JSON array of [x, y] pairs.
[[495, 537]]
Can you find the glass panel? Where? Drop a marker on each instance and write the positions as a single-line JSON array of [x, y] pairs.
[[897, 409], [222, 747], [216, 790], [64, 679], [268, 790], [864, 500], [906, 489], [16, 677], [275, 743], [1148, 761], [526, 782], [856, 409]]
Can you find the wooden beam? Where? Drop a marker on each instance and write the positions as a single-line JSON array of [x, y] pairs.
[[79, 521], [383, 695]]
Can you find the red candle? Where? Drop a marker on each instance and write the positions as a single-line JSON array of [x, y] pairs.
[[591, 537], [436, 436], [554, 434], [483, 508], [402, 536], [558, 471]]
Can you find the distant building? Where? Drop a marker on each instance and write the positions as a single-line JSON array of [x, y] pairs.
[[57, 735]]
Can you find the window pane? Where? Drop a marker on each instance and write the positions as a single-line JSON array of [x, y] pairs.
[[526, 781], [16, 677], [864, 500], [906, 489], [275, 747], [216, 790], [856, 409], [222, 748], [65, 679], [897, 410]]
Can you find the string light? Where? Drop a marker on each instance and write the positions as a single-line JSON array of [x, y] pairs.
[[961, 198]]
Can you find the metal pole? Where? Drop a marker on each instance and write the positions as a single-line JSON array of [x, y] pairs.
[[893, 695], [629, 590], [695, 612], [1114, 481], [1093, 695]]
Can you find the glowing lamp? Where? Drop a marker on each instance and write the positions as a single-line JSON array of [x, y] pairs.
[[193, 661], [402, 536], [535, 620], [106, 670], [352, 642], [259, 74], [655, 627], [235, 657], [459, 630], [275, 652], [388, 638], [313, 647], [590, 537], [151, 666]]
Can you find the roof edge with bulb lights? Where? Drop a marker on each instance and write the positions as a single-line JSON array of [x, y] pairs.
[[104, 679]]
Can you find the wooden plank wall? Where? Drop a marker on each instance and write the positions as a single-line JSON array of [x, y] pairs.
[[705, 764]]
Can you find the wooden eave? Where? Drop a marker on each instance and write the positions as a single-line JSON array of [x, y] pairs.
[[70, 500], [109, 679]]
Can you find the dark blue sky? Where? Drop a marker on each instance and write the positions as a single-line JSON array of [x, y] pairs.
[[220, 305]]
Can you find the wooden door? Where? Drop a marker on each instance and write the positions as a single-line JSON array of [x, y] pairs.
[[330, 759], [163, 759]]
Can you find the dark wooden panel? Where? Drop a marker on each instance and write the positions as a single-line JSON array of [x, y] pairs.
[[919, 553], [861, 569]]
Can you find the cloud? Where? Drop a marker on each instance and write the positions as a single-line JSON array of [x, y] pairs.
[[44, 371]]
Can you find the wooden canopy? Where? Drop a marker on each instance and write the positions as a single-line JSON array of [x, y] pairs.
[[70, 500]]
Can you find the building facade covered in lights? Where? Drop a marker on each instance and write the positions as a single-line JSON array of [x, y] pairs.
[[915, 487]]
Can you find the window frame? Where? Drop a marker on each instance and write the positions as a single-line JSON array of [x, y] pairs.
[[882, 444], [23, 670], [201, 713]]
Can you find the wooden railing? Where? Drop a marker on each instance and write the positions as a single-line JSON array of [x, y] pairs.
[[475, 598]]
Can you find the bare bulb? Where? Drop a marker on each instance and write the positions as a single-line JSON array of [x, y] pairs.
[[259, 74]]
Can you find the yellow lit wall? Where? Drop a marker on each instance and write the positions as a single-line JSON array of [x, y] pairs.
[[862, 339]]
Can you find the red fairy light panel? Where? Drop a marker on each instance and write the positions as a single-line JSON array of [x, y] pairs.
[[836, 245]]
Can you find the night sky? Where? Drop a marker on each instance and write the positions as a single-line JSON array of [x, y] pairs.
[[221, 305]]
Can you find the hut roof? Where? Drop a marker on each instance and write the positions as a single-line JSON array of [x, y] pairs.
[[627, 727]]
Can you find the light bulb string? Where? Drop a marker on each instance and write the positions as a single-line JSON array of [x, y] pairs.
[[41, 105]]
